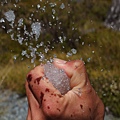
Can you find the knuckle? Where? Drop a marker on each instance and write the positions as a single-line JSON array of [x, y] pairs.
[[79, 63]]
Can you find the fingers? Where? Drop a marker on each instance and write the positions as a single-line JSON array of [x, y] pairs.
[[70, 67], [34, 110], [75, 70], [44, 99], [39, 89], [40, 85]]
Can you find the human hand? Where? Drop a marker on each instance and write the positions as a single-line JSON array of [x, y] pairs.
[[47, 103]]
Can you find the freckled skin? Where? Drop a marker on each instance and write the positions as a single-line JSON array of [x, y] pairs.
[[29, 77], [81, 106], [47, 103], [41, 98], [38, 80], [47, 90]]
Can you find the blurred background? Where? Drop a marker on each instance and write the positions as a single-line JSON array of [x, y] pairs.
[[32, 32]]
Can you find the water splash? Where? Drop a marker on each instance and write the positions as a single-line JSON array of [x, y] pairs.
[[57, 77], [10, 16], [36, 29]]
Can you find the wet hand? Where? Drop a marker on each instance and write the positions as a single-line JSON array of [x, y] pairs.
[[47, 103]]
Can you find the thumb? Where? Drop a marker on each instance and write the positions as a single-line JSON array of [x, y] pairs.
[[75, 70]]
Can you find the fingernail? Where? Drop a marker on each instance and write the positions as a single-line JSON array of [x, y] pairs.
[[59, 61]]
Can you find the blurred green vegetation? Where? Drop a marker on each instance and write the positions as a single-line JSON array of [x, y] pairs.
[[82, 23]]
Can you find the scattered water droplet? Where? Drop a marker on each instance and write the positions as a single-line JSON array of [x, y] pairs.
[[89, 59], [15, 5], [62, 6], [2, 20], [74, 51], [10, 16], [3, 27], [46, 50], [53, 11], [36, 29], [20, 22], [93, 51], [52, 4], [104, 94], [24, 52], [38, 6], [83, 43], [14, 57], [53, 16], [68, 54]]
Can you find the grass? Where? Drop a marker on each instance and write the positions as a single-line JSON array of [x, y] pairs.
[[13, 76]]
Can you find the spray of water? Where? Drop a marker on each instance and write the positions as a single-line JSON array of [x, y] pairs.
[[31, 34], [57, 77]]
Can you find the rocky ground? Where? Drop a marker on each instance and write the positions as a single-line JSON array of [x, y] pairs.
[[14, 107]]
